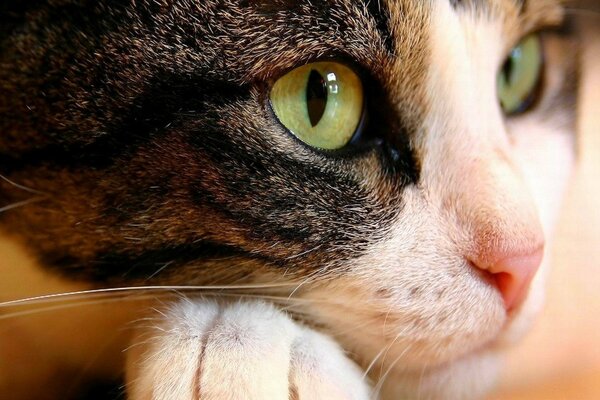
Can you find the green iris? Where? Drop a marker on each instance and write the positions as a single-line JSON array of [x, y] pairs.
[[520, 77], [320, 103]]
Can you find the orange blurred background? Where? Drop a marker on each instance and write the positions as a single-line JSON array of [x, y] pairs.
[[560, 359]]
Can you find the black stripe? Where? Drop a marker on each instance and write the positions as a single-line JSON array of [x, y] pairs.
[[270, 7], [128, 265], [246, 175], [381, 16], [168, 100]]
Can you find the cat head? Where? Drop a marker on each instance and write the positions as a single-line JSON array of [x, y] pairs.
[[152, 143]]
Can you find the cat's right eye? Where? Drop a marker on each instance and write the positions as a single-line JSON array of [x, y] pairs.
[[320, 103]]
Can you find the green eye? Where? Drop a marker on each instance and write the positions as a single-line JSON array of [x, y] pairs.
[[520, 77], [320, 103]]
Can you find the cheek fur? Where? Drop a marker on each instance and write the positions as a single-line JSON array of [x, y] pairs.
[[408, 296]]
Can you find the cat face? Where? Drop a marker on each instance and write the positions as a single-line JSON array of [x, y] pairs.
[[143, 139]]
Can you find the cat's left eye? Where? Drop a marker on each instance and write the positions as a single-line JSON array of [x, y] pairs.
[[320, 103], [520, 77]]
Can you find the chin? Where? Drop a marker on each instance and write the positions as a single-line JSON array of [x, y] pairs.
[[474, 375], [470, 377]]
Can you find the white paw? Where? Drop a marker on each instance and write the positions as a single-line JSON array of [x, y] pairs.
[[251, 351]]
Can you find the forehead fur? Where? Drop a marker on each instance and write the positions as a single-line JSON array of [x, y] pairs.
[[518, 17]]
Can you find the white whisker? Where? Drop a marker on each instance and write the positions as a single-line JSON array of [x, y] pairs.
[[372, 363], [173, 288], [69, 305], [20, 204], [104, 296], [420, 386], [25, 188], [304, 252], [159, 270], [379, 386], [306, 280]]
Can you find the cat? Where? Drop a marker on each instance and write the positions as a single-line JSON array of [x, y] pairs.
[[352, 198]]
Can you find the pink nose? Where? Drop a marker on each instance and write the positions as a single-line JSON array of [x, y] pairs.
[[512, 272]]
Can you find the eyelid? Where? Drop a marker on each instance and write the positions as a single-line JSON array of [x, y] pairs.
[[343, 59], [565, 26], [545, 24], [542, 17]]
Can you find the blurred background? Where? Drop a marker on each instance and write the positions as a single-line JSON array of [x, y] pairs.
[[560, 358]]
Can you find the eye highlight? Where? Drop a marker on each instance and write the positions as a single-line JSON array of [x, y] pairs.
[[520, 77], [320, 103]]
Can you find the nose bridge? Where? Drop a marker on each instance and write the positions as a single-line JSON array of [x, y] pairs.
[[493, 206], [495, 220], [466, 165]]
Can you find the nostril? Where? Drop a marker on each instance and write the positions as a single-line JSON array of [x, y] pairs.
[[511, 289], [513, 275]]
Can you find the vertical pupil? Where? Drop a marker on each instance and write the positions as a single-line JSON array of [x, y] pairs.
[[508, 68], [316, 97]]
